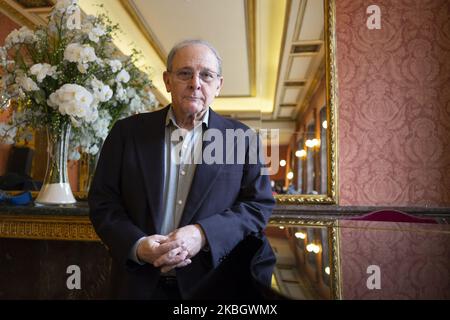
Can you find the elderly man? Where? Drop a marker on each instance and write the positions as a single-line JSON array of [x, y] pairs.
[[168, 219]]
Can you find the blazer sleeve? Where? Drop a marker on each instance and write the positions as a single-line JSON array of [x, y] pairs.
[[107, 212], [248, 215]]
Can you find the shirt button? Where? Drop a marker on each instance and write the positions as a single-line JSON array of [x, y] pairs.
[[183, 172], [180, 202]]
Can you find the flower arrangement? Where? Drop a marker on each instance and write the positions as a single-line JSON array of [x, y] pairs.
[[130, 95], [69, 72], [68, 78]]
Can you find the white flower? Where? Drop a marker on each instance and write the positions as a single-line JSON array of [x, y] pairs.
[[80, 54], [87, 54], [152, 99], [121, 93], [74, 154], [7, 133], [26, 83], [23, 35], [96, 33], [73, 100], [92, 115], [3, 56], [102, 92], [131, 93], [115, 65], [72, 52], [82, 67], [66, 6], [93, 149], [73, 20], [100, 126], [123, 76], [136, 104], [42, 70]]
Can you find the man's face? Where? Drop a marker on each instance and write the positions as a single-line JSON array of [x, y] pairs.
[[193, 81]]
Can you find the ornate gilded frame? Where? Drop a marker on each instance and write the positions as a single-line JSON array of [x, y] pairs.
[[333, 235], [332, 102], [47, 227]]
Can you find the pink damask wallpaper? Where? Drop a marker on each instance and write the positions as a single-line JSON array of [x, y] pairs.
[[394, 103], [412, 259]]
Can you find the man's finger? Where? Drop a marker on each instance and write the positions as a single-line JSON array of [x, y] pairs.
[[167, 246], [158, 237], [174, 256], [182, 264]]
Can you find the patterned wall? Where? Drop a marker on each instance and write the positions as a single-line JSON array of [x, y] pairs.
[[394, 103], [413, 260]]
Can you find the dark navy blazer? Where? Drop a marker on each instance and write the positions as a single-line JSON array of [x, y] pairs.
[[229, 201]]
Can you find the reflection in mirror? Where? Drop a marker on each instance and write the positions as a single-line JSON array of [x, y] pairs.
[[323, 151], [305, 266], [382, 255], [308, 73]]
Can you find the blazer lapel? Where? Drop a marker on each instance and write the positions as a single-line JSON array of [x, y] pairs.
[[204, 176], [150, 150]]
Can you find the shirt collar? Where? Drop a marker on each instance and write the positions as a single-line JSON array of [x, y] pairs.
[[171, 117]]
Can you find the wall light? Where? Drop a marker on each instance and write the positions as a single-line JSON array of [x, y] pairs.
[[311, 143], [300, 153], [325, 124], [300, 235], [312, 247], [282, 163], [290, 175]]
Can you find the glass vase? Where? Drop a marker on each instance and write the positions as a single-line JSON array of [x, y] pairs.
[[56, 188], [88, 165]]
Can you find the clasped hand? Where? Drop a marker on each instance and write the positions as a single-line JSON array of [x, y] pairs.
[[174, 250]]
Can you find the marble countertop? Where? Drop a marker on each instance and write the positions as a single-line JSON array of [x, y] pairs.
[[81, 208]]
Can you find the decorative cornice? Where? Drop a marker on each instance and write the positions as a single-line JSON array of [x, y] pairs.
[[131, 9], [250, 20], [13, 12], [47, 228]]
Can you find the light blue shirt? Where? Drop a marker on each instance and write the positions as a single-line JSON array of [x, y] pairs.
[[183, 150]]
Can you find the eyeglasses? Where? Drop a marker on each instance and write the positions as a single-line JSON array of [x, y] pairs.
[[206, 76]]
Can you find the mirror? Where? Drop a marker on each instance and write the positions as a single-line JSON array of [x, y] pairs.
[[383, 255], [308, 160], [307, 261], [304, 100]]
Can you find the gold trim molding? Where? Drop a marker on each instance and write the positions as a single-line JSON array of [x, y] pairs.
[[131, 9], [70, 228], [332, 103], [13, 11], [250, 21]]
